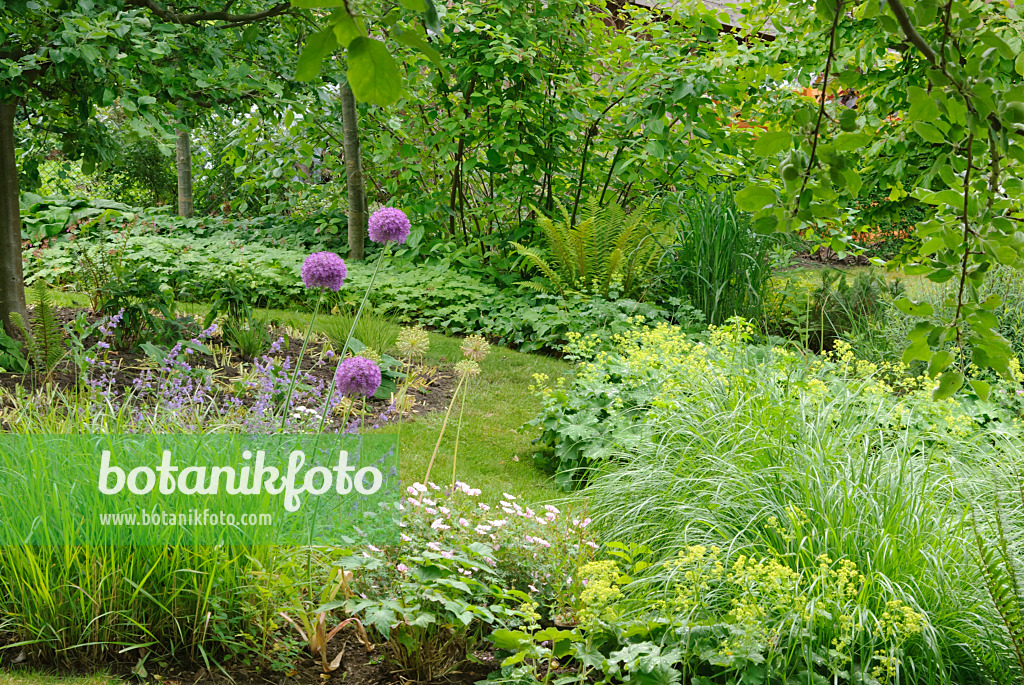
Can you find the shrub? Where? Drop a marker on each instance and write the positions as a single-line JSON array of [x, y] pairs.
[[542, 321]]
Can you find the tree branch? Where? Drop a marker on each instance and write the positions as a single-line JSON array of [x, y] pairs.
[[200, 17], [903, 19], [813, 160]]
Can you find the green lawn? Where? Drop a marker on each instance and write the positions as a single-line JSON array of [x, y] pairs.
[[28, 677], [494, 449]]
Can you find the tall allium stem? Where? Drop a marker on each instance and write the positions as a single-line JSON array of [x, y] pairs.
[[298, 364], [351, 334], [458, 432], [444, 426]]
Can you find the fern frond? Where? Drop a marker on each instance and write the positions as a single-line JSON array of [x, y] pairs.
[[556, 236], [44, 336], [604, 243], [538, 261]]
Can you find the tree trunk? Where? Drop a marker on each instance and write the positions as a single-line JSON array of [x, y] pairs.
[[12, 282], [353, 174], [184, 161]]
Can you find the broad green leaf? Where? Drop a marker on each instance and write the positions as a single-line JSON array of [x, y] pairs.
[[981, 388], [772, 142], [312, 4], [922, 106], [1006, 255], [991, 39], [918, 350], [431, 19], [318, 46], [1018, 65], [920, 331], [939, 363], [928, 132], [372, 72], [753, 198], [913, 308], [414, 5], [416, 42], [851, 141], [346, 28], [949, 383], [991, 302], [509, 639]]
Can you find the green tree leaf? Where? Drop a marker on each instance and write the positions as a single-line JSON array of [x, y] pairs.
[[772, 142], [949, 383], [346, 28], [929, 132], [318, 46], [753, 198], [372, 72], [913, 308]]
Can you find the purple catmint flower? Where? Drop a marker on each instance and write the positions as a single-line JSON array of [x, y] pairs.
[[108, 328], [389, 225], [324, 270], [357, 376]]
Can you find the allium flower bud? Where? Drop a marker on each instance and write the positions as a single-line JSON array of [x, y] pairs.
[[467, 367], [357, 376], [475, 347], [413, 341], [389, 225], [324, 270]]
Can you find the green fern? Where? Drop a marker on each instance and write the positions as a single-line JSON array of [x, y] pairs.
[[998, 564], [604, 246], [45, 342]]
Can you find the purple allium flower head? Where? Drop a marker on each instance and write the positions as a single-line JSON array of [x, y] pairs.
[[389, 225], [324, 270], [357, 376]]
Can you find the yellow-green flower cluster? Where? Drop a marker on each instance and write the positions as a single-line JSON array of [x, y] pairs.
[[598, 598], [768, 599]]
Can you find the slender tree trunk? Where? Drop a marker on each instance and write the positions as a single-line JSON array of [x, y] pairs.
[[184, 160], [353, 175], [12, 282]]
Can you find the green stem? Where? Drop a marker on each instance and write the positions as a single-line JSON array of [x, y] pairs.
[[351, 334], [298, 364], [458, 431], [444, 425]]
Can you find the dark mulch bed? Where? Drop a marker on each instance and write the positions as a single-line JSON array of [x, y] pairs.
[[435, 395], [358, 667]]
